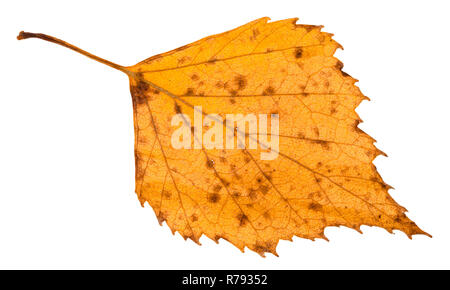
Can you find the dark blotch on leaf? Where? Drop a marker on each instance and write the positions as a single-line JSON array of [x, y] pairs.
[[241, 82], [315, 206], [268, 91], [138, 92], [298, 52], [325, 144], [177, 108], [189, 92], [217, 188], [142, 86], [210, 163], [262, 248], [213, 197], [233, 93], [243, 219], [264, 189]]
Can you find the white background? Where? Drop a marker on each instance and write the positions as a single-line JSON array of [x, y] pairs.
[[66, 153]]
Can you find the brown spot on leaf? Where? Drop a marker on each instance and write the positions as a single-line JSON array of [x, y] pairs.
[[142, 86], [217, 188], [166, 194], [233, 93], [210, 163], [264, 189], [315, 206], [177, 108], [268, 91], [138, 92], [308, 28], [240, 82], [189, 92], [325, 144], [262, 248], [243, 219], [316, 131], [252, 194], [213, 197], [255, 33], [298, 52]]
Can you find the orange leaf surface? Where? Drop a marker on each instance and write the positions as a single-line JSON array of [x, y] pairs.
[[321, 174]]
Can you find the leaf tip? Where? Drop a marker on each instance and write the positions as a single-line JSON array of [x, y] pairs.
[[264, 19], [420, 232], [294, 21], [322, 236], [194, 239]]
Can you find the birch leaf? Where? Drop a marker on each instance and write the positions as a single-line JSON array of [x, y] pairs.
[[321, 173]]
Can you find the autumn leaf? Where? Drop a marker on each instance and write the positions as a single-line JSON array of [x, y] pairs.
[[320, 174]]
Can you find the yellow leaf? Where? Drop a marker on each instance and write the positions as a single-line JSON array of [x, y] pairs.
[[307, 165]]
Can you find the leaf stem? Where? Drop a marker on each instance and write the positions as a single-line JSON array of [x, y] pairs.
[[25, 35]]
